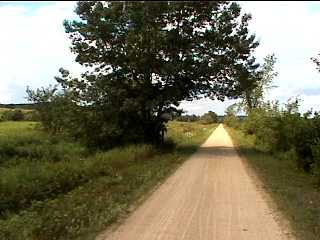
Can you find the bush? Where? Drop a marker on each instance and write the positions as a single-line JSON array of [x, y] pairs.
[[47, 180], [284, 131], [209, 117], [187, 118], [262, 124], [31, 116], [232, 120], [316, 155], [289, 155], [13, 115]]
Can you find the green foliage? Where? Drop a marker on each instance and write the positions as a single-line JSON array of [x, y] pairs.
[[187, 118], [46, 180], [14, 115], [264, 123], [8, 114], [55, 109], [230, 118], [144, 59], [29, 155], [254, 97], [307, 147], [285, 131], [209, 117], [31, 116], [315, 148], [20, 141]]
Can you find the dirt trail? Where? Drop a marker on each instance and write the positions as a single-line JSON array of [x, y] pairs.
[[211, 196]]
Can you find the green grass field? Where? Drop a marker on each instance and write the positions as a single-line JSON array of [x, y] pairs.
[[53, 188], [294, 191]]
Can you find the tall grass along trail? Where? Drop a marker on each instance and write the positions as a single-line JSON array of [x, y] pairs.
[[211, 196]]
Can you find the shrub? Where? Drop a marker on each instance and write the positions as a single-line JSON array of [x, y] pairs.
[[31, 116], [209, 117], [286, 131], [260, 123], [13, 115], [289, 155], [187, 118], [316, 155], [231, 120], [47, 180]]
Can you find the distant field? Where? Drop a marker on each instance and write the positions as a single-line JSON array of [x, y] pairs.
[[11, 109], [53, 188], [19, 128], [27, 106]]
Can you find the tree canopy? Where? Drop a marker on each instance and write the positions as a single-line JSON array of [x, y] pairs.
[[209, 117], [144, 58], [264, 76]]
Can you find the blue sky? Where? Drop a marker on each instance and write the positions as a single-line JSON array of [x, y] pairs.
[[33, 46]]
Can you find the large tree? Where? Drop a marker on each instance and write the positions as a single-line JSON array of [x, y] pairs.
[[145, 57]]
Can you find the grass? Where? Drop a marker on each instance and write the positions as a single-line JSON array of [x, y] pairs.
[[18, 128], [295, 192], [23, 141], [11, 109], [78, 194]]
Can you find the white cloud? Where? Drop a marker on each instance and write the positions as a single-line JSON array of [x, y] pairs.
[[33, 47], [310, 102]]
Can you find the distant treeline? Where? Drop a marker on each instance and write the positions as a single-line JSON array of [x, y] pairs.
[[209, 117], [19, 106], [194, 118]]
